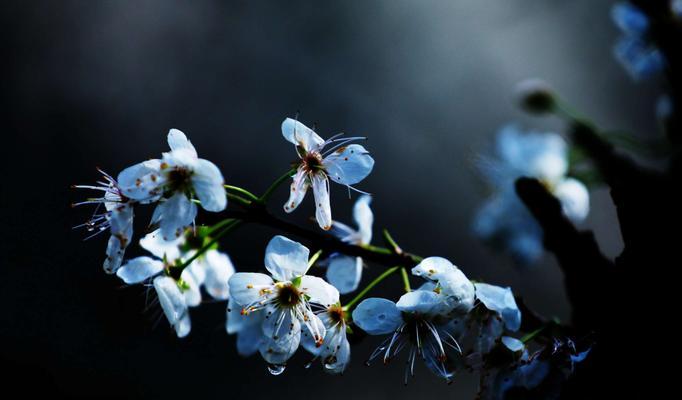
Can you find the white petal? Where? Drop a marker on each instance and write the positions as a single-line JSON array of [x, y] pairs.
[[458, 291], [345, 233], [500, 300], [174, 215], [297, 190], [337, 363], [208, 185], [286, 259], [121, 222], [319, 290], [364, 218], [433, 268], [323, 211], [249, 340], [114, 255], [345, 273], [173, 304], [513, 344], [280, 327], [540, 155], [245, 287], [377, 316], [139, 269], [177, 140], [219, 269], [349, 165], [154, 243], [142, 182], [279, 352], [574, 198], [419, 301], [315, 334], [301, 135], [237, 322], [193, 291]]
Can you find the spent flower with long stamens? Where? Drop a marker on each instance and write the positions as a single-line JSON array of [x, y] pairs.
[[319, 161], [283, 300], [174, 181], [117, 217]]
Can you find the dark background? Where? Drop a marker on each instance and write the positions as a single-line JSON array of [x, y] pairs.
[[89, 84]]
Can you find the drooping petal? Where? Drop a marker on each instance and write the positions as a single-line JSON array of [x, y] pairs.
[[539, 155], [218, 269], [174, 215], [297, 190], [121, 223], [286, 259], [301, 135], [192, 291], [139, 269], [337, 363], [245, 287], [364, 218], [349, 165], [154, 243], [319, 291], [142, 182], [279, 352], [377, 316], [574, 198], [344, 232], [249, 340], [423, 302], [323, 211], [345, 273], [500, 300], [173, 304], [208, 185], [177, 140]]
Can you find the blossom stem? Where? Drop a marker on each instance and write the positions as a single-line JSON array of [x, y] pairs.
[[243, 191], [229, 227], [219, 225], [238, 199], [406, 279], [314, 258], [369, 287], [268, 193], [391, 242]]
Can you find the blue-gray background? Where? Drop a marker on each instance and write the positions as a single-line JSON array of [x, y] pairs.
[[429, 82]]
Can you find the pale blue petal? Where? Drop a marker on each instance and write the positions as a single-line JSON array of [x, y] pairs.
[[173, 304], [377, 316], [139, 269], [300, 135], [297, 190], [174, 215], [245, 287], [142, 182], [323, 211], [640, 59], [630, 19], [154, 243], [513, 344], [218, 269], [500, 300], [337, 363], [574, 198], [319, 291], [208, 185], [349, 165], [249, 340], [345, 273], [177, 140], [419, 302], [286, 259], [364, 218]]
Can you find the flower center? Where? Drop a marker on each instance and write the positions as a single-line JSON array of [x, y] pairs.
[[288, 295], [312, 162], [336, 314], [179, 179]]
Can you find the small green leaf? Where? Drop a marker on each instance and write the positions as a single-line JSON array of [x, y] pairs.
[[297, 281]]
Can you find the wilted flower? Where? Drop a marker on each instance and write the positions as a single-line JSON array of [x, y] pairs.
[[283, 300], [504, 219], [117, 217], [211, 270], [174, 181], [344, 163], [634, 50], [499, 313], [345, 272]]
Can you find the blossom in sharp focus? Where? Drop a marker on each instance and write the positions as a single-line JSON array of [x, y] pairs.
[[284, 300], [174, 181], [343, 163], [635, 50], [345, 272], [453, 288], [504, 219], [117, 217], [211, 270], [415, 323]]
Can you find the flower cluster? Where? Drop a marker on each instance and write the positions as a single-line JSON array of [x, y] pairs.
[[503, 219]]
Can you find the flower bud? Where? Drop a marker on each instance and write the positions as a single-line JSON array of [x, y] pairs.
[[535, 96]]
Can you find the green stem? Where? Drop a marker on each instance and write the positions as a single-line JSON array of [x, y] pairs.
[[218, 226], [314, 258], [227, 229], [389, 239], [369, 287], [238, 199], [245, 192], [406, 279], [376, 249], [268, 193]]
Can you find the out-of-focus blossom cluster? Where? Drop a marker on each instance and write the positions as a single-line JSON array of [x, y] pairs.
[[504, 220]]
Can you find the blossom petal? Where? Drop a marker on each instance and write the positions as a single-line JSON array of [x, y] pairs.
[[319, 291], [245, 287], [574, 198], [142, 182], [121, 223], [177, 140], [174, 215], [286, 259], [419, 301], [249, 340], [218, 269], [540, 155], [237, 322], [377, 316], [337, 363], [301, 135], [297, 190], [139, 269], [432, 268], [208, 185], [500, 300], [154, 243], [323, 211], [193, 282], [345, 273], [173, 304], [364, 218], [513, 344], [349, 165]]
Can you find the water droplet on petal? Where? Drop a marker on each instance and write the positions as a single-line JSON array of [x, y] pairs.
[[276, 369]]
